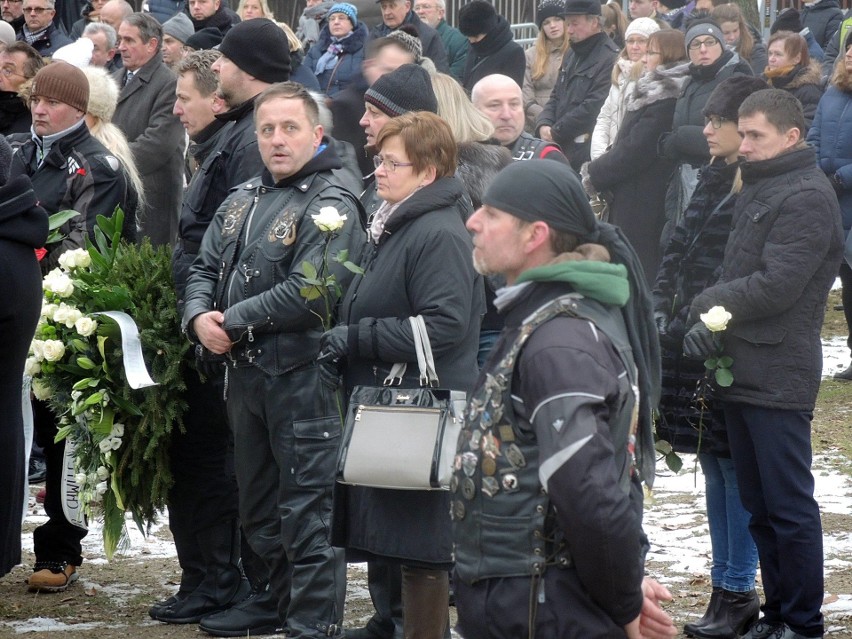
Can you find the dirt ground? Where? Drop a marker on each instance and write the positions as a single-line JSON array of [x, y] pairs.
[[111, 599]]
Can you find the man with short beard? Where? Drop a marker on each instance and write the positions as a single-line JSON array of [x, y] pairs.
[[211, 13], [12, 11]]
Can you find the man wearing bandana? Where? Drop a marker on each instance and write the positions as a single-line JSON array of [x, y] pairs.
[[546, 496]]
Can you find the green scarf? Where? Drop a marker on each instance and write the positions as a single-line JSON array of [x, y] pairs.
[[607, 283]]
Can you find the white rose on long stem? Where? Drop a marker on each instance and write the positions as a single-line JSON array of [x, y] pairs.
[[41, 390], [329, 219], [85, 326], [716, 319], [32, 367], [53, 350]]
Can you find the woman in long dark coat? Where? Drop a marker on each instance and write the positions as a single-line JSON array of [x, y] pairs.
[[631, 175], [23, 228]]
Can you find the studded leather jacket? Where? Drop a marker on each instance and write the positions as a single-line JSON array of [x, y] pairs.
[[251, 265], [527, 147], [509, 482]]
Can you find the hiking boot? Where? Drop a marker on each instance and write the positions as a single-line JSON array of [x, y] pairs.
[[52, 576]]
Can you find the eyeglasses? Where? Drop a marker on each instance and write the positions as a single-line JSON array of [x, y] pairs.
[[36, 10], [707, 43], [10, 71], [390, 165], [716, 120]]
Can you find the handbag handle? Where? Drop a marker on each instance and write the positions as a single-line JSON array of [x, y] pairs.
[[425, 359]]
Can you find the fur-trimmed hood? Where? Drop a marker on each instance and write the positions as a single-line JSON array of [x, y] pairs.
[[799, 76], [662, 83]]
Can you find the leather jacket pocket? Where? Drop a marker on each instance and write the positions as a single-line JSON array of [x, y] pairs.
[[317, 442]]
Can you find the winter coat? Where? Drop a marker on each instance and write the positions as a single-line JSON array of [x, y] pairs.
[[686, 143], [347, 107], [536, 93], [758, 59], [78, 173], [823, 18], [456, 46], [302, 74], [631, 173], [691, 263], [579, 94], [49, 41], [831, 137], [433, 46], [832, 48], [250, 264], [421, 266], [15, 116], [497, 52], [162, 10], [223, 19], [613, 109], [780, 262], [156, 137], [803, 82], [348, 65], [23, 228], [311, 21]]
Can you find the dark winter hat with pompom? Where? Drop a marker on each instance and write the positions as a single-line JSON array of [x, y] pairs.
[[477, 18], [549, 9], [788, 20], [730, 93]]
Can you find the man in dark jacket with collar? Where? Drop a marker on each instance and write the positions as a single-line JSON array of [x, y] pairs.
[[433, 13], [780, 261], [492, 47], [144, 114], [69, 169], [395, 13], [211, 13], [546, 497], [569, 116], [39, 30], [244, 301]]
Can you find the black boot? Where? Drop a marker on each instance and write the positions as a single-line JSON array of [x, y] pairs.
[[735, 614], [256, 615], [709, 615], [845, 375], [385, 584], [224, 584]]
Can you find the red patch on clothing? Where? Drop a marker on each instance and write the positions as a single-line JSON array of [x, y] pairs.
[[81, 171], [40, 253]]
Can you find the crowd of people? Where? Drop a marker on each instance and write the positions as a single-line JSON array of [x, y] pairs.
[[560, 218]]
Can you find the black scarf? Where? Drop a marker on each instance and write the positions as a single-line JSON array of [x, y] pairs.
[[708, 72]]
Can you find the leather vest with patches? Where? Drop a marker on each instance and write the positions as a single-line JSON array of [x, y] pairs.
[[527, 147], [504, 524]]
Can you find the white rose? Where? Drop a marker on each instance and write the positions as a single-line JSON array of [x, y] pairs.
[[101, 488], [32, 367], [93, 477], [68, 260], [105, 445], [58, 282], [85, 326], [47, 310], [115, 443], [73, 315], [328, 219], [84, 260], [716, 319], [41, 390], [75, 395], [103, 473], [80, 478], [37, 348], [53, 350], [117, 430]]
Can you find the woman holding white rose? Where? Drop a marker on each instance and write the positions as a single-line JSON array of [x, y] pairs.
[[690, 264], [418, 263]]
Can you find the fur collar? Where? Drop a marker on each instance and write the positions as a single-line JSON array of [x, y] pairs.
[[798, 77], [660, 84]]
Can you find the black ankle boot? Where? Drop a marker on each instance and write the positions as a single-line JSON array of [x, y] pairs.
[[709, 615], [734, 614]]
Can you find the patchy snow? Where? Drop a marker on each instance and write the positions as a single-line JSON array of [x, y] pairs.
[[835, 356], [46, 624]]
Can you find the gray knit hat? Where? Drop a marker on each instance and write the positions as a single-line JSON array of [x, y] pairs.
[[405, 89], [704, 27], [179, 27]]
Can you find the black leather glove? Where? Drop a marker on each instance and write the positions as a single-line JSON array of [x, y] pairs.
[[661, 321], [699, 342], [329, 373], [334, 344]]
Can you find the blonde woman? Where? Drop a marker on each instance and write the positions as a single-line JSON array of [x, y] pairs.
[[103, 97], [626, 71], [250, 9], [466, 123], [544, 58]]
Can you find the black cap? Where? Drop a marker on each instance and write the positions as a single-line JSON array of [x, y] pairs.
[[582, 7], [730, 93], [206, 38], [405, 89], [260, 48], [477, 18]]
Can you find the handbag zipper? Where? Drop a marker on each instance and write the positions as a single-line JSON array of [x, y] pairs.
[[407, 409]]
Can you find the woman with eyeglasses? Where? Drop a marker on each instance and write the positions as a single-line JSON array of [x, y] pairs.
[[628, 67], [417, 263], [690, 423], [631, 176], [710, 63], [790, 68]]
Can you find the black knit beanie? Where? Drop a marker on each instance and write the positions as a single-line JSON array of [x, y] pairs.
[[549, 9], [727, 97], [206, 38], [788, 20], [260, 48], [477, 18], [405, 89]]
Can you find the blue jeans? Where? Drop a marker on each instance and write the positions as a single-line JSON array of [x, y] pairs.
[[734, 552], [771, 449], [487, 339]]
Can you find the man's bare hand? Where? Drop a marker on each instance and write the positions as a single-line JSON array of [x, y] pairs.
[[545, 133], [208, 327], [654, 622]]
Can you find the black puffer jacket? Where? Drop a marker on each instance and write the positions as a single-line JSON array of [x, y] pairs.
[[780, 262], [15, 116], [79, 173], [421, 266], [803, 82], [580, 91], [691, 263], [250, 264], [497, 52]]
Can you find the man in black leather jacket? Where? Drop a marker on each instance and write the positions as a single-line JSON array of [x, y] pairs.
[[244, 300]]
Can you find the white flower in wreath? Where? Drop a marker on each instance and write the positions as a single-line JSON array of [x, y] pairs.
[[716, 319], [80, 479], [328, 219], [105, 445], [53, 350], [103, 473], [58, 282], [115, 443], [77, 258], [101, 488], [32, 367], [47, 310], [37, 349], [67, 315], [117, 430], [85, 326], [76, 395], [41, 390]]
